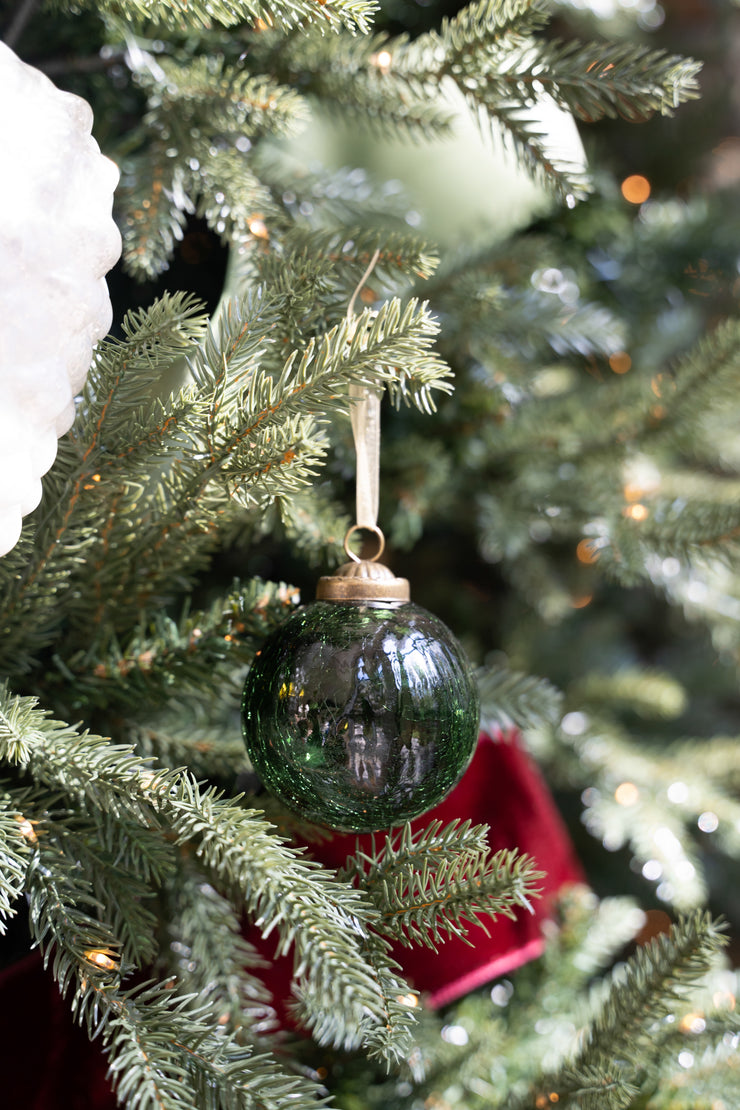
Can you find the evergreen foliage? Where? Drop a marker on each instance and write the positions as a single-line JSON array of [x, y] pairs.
[[124, 642]]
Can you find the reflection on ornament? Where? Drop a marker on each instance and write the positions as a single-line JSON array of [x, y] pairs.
[[57, 241], [360, 712]]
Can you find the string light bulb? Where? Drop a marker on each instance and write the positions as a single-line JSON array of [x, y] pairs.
[[102, 958], [27, 829]]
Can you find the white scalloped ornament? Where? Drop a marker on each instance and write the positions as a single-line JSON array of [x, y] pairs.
[[57, 242]]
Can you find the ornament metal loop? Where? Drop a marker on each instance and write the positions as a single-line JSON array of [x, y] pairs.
[[365, 528]]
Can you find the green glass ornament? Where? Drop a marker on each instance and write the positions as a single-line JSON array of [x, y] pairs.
[[360, 711]]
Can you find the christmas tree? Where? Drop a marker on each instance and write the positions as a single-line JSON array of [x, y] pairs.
[[559, 442]]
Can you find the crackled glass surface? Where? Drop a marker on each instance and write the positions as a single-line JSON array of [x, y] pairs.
[[360, 715]]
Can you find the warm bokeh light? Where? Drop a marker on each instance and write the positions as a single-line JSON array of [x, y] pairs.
[[258, 227], [692, 1023], [587, 551], [582, 601], [636, 188], [723, 1000], [382, 60], [620, 362], [637, 512], [626, 794]]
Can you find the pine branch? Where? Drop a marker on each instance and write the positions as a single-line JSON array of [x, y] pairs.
[[493, 20], [165, 1054], [326, 923], [461, 40], [18, 727], [594, 80], [346, 78], [502, 71], [211, 958], [174, 657], [606, 1071], [162, 1051], [125, 374], [511, 697], [232, 200], [390, 347], [650, 693], [205, 95], [118, 888], [313, 274], [67, 526], [642, 992], [17, 837], [102, 483], [315, 526], [257, 432], [211, 750], [65, 922], [338, 259], [499, 316], [329, 938], [405, 849], [203, 117], [425, 890], [152, 207], [522, 132], [185, 15]]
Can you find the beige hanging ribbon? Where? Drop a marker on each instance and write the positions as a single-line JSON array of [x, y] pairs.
[[365, 416]]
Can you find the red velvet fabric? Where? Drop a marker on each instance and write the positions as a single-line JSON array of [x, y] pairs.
[[48, 1063]]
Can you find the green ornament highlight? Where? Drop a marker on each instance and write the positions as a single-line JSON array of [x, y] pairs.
[[360, 712]]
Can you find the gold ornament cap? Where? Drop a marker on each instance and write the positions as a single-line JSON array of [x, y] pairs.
[[363, 579]]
